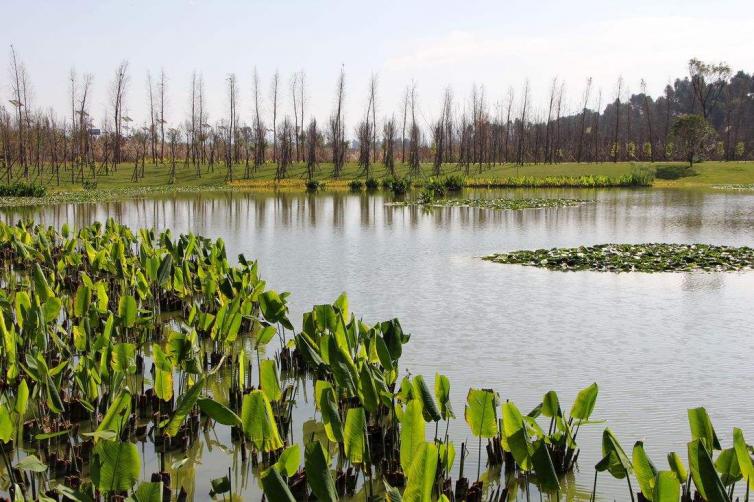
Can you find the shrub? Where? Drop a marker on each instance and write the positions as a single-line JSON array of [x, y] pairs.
[[371, 184], [314, 185], [89, 185], [20, 189], [356, 185], [454, 182]]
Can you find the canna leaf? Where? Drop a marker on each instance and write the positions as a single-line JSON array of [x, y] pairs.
[[318, 473], [706, 480], [259, 422], [480, 412], [413, 432], [667, 488], [645, 470], [431, 414], [584, 404], [421, 475], [218, 412], [354, 435]]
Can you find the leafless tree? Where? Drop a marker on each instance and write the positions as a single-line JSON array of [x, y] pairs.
[[414, 139], [118, 93], [388, 146], [285, 157], [161, 88], [648, 115], [616, 144], [231, 127], [152, 130], [337, 128], [18, 76], [584, 110], [312, 143], [274, 92], [259, 127], [522, 124]]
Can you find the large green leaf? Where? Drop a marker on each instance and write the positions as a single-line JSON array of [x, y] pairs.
[[330, 416], [515, 435], [706, 480], [584, 404], [442, 393], [744, 456], [147, 492], [116, 465], [217, 411], [644, 469], [421, 475], [544, 468], [259, 422], [614, 458], [41, 288], [481, 413], [676, 465], [727, 465], [6, 425], [551, 405], [183, 407], [288, 462], [117, 414], [123, 358], [413, 432], [269, 381], [667, 488], [431, 414], [274, 486], [31, 463], [354, 435], [701, 428], [318, 474], [127, 310]]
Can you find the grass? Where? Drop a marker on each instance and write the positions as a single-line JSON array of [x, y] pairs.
[[670, 175]]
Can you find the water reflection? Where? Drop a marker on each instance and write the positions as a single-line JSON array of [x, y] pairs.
[[656, 344]]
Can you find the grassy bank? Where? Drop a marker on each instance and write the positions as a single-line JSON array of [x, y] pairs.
[[157, 178]]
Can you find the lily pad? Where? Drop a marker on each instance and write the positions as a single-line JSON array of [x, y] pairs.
[[634, 258]]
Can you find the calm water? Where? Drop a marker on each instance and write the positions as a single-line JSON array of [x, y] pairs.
[[657, 344]]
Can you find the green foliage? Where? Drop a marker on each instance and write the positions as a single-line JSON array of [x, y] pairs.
[[20, 189]]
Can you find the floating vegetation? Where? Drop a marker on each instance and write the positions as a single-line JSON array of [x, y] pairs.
[[110, 337], [425, 199], [635, 258], [743, 186]]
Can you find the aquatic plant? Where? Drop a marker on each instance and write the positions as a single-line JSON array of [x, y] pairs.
[[634, 258], [428, 199], [110, 336], [356, 185]]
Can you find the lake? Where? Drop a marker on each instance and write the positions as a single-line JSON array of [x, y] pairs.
[[656, 344]]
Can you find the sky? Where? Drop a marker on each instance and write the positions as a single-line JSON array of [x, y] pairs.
[[435, 44]]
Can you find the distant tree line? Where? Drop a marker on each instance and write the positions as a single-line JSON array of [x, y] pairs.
[[49, 146]]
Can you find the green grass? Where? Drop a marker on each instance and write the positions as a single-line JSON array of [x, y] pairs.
[[705, 174]]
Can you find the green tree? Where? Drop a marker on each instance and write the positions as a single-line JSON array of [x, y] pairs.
[[692, 137]]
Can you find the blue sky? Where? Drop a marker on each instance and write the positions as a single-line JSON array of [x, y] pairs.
[[438, 43]]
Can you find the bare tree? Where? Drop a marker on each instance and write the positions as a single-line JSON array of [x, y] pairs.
[[388, 146], [274, 92], [648, 115], [285, 157], [312, 141], [616, 145], [414, 139], [337, 128], [522, 125], [584, 110], [118, 97], [152, 131], [231, 127], [161, 86], [259, 127], [18, 72]]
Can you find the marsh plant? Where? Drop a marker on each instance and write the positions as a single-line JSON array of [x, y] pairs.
[[634, 258], [111, 337]]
